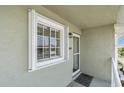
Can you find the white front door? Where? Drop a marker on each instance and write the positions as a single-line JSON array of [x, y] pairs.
[[76, 54]]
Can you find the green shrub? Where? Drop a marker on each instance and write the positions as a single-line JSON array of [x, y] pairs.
[[121, 52]]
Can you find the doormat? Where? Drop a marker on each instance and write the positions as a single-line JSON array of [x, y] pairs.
[[84, 79]]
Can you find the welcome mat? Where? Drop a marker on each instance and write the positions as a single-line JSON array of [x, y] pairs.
[[84, 79]]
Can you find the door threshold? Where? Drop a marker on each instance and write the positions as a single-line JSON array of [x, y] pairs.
[[76, 75], [76, 72]]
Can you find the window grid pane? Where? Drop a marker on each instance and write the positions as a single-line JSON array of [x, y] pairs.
[[46, 52], [50, 41], [58, 34], [43, 41], [46, 36], [55, 42], [40, 53], [53, 52], [57, 51]]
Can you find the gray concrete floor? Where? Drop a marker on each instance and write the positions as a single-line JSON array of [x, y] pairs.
[[95, 83], [75, 84], [99, 83]]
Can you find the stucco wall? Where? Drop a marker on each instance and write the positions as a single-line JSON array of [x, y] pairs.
[[14, 51], [120, 15], [97, 46]]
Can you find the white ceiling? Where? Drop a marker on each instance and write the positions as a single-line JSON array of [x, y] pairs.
[[86, 16]]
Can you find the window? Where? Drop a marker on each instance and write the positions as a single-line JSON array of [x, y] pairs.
[[48, 41]]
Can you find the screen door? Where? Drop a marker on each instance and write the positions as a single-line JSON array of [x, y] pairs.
[[76, 53]]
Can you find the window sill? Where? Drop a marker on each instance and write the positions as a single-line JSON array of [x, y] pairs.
[[47, 65]]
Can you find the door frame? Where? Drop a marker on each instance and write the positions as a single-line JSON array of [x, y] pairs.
[[74, 74]]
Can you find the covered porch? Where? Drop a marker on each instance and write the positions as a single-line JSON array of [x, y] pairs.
[[60, 46], [98, 52]]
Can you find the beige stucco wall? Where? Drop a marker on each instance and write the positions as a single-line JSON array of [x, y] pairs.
[[97, 46], [120, 16], [14, 51]]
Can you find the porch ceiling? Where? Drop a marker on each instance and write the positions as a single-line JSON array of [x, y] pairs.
[[86, 16]]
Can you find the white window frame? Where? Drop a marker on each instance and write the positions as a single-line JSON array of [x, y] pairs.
[[34, 19]]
